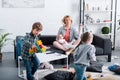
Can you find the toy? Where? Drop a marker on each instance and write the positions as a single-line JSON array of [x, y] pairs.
[[39, 48]]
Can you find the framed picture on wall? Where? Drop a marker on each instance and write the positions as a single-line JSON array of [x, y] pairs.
[[23, 3]]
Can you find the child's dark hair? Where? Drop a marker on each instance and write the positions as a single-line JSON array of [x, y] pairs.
[[85, 37], [37, 25]]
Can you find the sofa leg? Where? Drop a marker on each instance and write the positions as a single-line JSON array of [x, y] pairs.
[[109, 57]]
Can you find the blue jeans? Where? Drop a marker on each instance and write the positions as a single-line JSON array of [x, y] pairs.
[[80, 71], [31, 67]]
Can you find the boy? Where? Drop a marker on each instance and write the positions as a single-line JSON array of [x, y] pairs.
[[30, 60]]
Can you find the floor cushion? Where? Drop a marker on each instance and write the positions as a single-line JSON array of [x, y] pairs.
[[113, 67], [95, 66]]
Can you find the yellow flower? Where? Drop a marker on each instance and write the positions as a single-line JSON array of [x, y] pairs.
[[39, 42], [31, 51], [43, 50]]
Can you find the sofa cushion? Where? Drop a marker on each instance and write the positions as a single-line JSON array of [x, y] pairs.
[[52, 48], [47, 39], [99, 51]]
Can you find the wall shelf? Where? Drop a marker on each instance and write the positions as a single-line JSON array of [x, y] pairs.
[[101, 23], [96, 13]]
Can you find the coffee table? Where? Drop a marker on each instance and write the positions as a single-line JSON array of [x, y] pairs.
[[44, 57]]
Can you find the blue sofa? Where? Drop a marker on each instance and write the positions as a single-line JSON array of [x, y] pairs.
[[103, 45]]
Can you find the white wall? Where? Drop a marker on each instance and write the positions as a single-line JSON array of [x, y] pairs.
[[18, 21]]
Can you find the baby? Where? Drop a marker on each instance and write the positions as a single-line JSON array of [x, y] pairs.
[[65, 44]]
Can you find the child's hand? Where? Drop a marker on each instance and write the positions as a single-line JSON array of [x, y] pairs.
[[33, 46], [33, 49], [46, 47]]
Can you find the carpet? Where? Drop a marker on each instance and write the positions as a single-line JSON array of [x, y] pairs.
[[105, 75], [40, 74]]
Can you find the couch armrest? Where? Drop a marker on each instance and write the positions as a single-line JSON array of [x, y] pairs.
[[107, 46], [104, 43], [16, 41]]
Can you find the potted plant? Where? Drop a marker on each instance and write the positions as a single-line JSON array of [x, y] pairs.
[[3, 39], [105, 30]]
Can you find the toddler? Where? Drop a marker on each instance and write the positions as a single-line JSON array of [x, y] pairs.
[[84, 53], [65, 44]]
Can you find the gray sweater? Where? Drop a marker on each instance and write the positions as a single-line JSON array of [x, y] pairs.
[[84, 54]]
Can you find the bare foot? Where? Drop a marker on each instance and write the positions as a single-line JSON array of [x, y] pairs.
[[69, 51]]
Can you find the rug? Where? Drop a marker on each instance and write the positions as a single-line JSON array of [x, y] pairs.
[[40, 74], [105, 75]]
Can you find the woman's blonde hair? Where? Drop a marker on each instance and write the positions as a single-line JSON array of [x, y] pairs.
[[67, 16]]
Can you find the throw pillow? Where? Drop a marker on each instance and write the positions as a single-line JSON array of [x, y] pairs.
[[95, 66], [113, 67]]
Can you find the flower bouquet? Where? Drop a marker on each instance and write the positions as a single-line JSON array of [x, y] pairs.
[[39, 48]]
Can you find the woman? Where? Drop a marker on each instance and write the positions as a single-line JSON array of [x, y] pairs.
[[69, 33]]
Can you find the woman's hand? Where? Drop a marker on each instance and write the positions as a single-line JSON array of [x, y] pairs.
[[81, 26], [80, 29]]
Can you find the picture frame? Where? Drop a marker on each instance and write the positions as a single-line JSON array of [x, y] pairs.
[[23, 3]]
